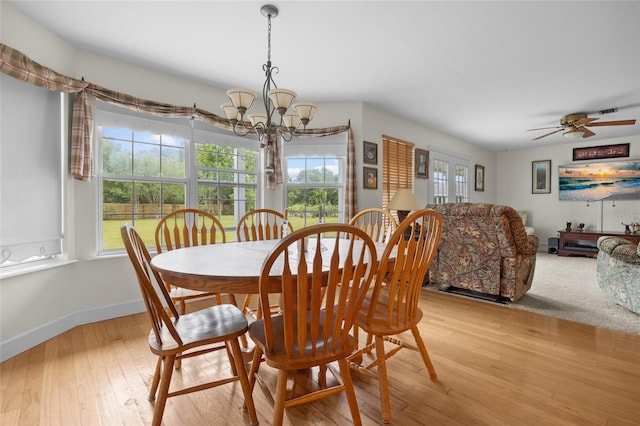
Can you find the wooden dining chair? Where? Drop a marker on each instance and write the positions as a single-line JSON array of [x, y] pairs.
[[378, 223], [259, 225], [188, 228], [392, 308], [177, 336], [313, 327]]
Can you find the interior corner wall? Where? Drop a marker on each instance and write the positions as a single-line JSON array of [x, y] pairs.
[[546, 213], [376, 123]]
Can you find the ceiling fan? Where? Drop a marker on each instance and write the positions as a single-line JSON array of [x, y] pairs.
[[576, 126]]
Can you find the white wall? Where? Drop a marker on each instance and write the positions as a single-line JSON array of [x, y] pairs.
[[93, 288], [547, 214]]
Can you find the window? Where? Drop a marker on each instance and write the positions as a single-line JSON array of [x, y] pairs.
[[151, 166], [314, 174], [450, 179], [30, 172], [397, 167]]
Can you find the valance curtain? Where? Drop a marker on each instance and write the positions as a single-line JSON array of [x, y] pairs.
[[18, 65]]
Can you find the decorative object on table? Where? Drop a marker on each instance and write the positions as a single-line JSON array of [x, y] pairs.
[[581, 227], [636, 227], [541, 177], [422, 163], [392, 308], [370, 153], [615, 180], [598, 152], [315, 328], [217, 328], [266, 125], [479, 178], [403, 201], [370, 178], [568, 227], [627, 227]]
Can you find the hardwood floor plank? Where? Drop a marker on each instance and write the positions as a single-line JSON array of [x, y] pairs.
[[497, 366]]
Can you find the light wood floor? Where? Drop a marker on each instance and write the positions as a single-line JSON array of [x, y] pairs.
[[496, 366]]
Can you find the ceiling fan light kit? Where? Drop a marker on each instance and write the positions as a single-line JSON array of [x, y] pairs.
[[576, 126], [573, 133]]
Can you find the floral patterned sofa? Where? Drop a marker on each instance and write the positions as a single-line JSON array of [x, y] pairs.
[[618, 271], [484, 248]]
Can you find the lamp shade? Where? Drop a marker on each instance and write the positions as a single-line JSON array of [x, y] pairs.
[[291, 120], [282, 98], [241, 98], [404, 200], [258, 118], [573, 133], [230, 111], [305, 110]]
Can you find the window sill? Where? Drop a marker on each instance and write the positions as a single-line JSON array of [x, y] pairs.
[[28, 268]]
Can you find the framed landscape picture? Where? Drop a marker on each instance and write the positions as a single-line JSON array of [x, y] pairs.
[[370, 152], [541, 177], [479, 178], [422, 163]]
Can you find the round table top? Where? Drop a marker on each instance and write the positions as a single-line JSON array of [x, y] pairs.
[[232, 267]]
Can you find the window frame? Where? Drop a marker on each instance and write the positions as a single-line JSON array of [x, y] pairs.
[[332, 147], [197, 133]]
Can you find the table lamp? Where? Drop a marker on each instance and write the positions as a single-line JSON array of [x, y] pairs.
[[403, 201]]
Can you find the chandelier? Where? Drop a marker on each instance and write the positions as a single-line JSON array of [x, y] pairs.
[[268, 125]]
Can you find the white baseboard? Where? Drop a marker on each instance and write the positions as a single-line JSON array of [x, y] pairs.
[[18, 344]]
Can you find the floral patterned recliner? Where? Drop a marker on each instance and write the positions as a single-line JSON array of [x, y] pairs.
[[618, 271], [484, 248]]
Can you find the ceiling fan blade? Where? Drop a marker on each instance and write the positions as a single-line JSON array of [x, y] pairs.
[[548, 134], [587, 133], [585, 120], [613, 123], [545, 128]]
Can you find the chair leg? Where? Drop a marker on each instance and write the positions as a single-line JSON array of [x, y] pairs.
[[383, 381], [247, 302], [231, 355], [424, 353], [345, 373], [156, 380], [281, 395], [163, 391], [255, 366], [244, 380]]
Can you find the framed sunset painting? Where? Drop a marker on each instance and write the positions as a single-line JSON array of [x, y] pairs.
[[613, 180]]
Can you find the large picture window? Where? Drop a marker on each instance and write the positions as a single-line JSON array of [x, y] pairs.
[[314, 175], [151, 166]]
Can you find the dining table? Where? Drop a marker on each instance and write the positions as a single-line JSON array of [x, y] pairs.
[[232, 267]]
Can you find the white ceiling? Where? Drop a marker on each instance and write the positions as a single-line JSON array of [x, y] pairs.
[[482, 71]]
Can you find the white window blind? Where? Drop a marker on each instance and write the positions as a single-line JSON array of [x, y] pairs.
[[31, 172]]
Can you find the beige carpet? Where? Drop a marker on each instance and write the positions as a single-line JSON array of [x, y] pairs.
[[566, 287]]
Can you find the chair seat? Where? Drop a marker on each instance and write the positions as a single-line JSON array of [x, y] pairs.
[[379, 323], [211, 325], [278, 357]]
